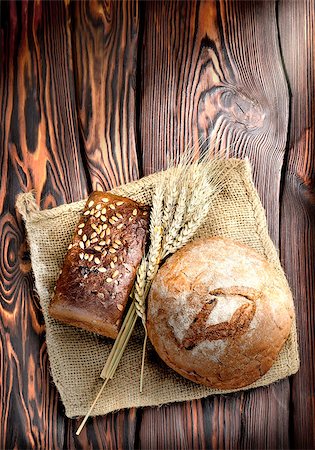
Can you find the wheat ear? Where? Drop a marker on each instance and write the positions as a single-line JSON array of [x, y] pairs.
[[139, 289]]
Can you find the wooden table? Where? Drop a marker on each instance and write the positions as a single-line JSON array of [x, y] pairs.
[[97, 94]]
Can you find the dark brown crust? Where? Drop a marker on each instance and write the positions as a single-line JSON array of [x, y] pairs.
[[86, 296]]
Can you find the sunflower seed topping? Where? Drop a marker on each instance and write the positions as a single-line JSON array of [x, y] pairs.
[[97, 260], [91, 204], [119, 203]]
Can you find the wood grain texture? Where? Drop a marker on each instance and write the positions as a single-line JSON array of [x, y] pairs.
[[185, 422], [297, 35], [215, 69], [71, 88], [39, 149], [105, 37]]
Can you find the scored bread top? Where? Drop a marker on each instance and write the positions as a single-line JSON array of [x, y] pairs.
[[100, 265], [219, 313]]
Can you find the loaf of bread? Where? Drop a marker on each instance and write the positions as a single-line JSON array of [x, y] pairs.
[[219, 313], [100, 266]]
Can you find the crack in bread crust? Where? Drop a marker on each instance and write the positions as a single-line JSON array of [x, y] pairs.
[[236, 326]]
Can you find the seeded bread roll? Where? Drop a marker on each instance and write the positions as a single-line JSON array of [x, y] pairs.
[[218, 313], [100, 266]]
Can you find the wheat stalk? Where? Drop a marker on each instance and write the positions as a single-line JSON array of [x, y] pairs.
[[176, 224], [139, 289], [180, 221], [180, 203], [170, 198]]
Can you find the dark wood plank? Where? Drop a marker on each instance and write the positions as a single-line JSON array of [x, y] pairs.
[[105, 45], [214, 68], [39, 149], [296, 26], [105, 38]]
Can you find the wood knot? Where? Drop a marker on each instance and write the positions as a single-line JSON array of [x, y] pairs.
[[231, 105], [101, 14], [25, 258], [14, 253]]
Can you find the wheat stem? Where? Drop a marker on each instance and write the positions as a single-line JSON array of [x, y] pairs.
[[121, 350], [120, 338], [143, 356], [180, 204], [91, 408]]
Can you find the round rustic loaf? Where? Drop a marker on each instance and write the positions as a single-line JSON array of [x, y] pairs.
[[219, 313]]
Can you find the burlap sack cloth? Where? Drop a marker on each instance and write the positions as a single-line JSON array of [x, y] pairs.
[[77, 357]]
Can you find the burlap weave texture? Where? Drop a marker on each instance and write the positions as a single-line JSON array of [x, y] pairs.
[[77, 357]]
